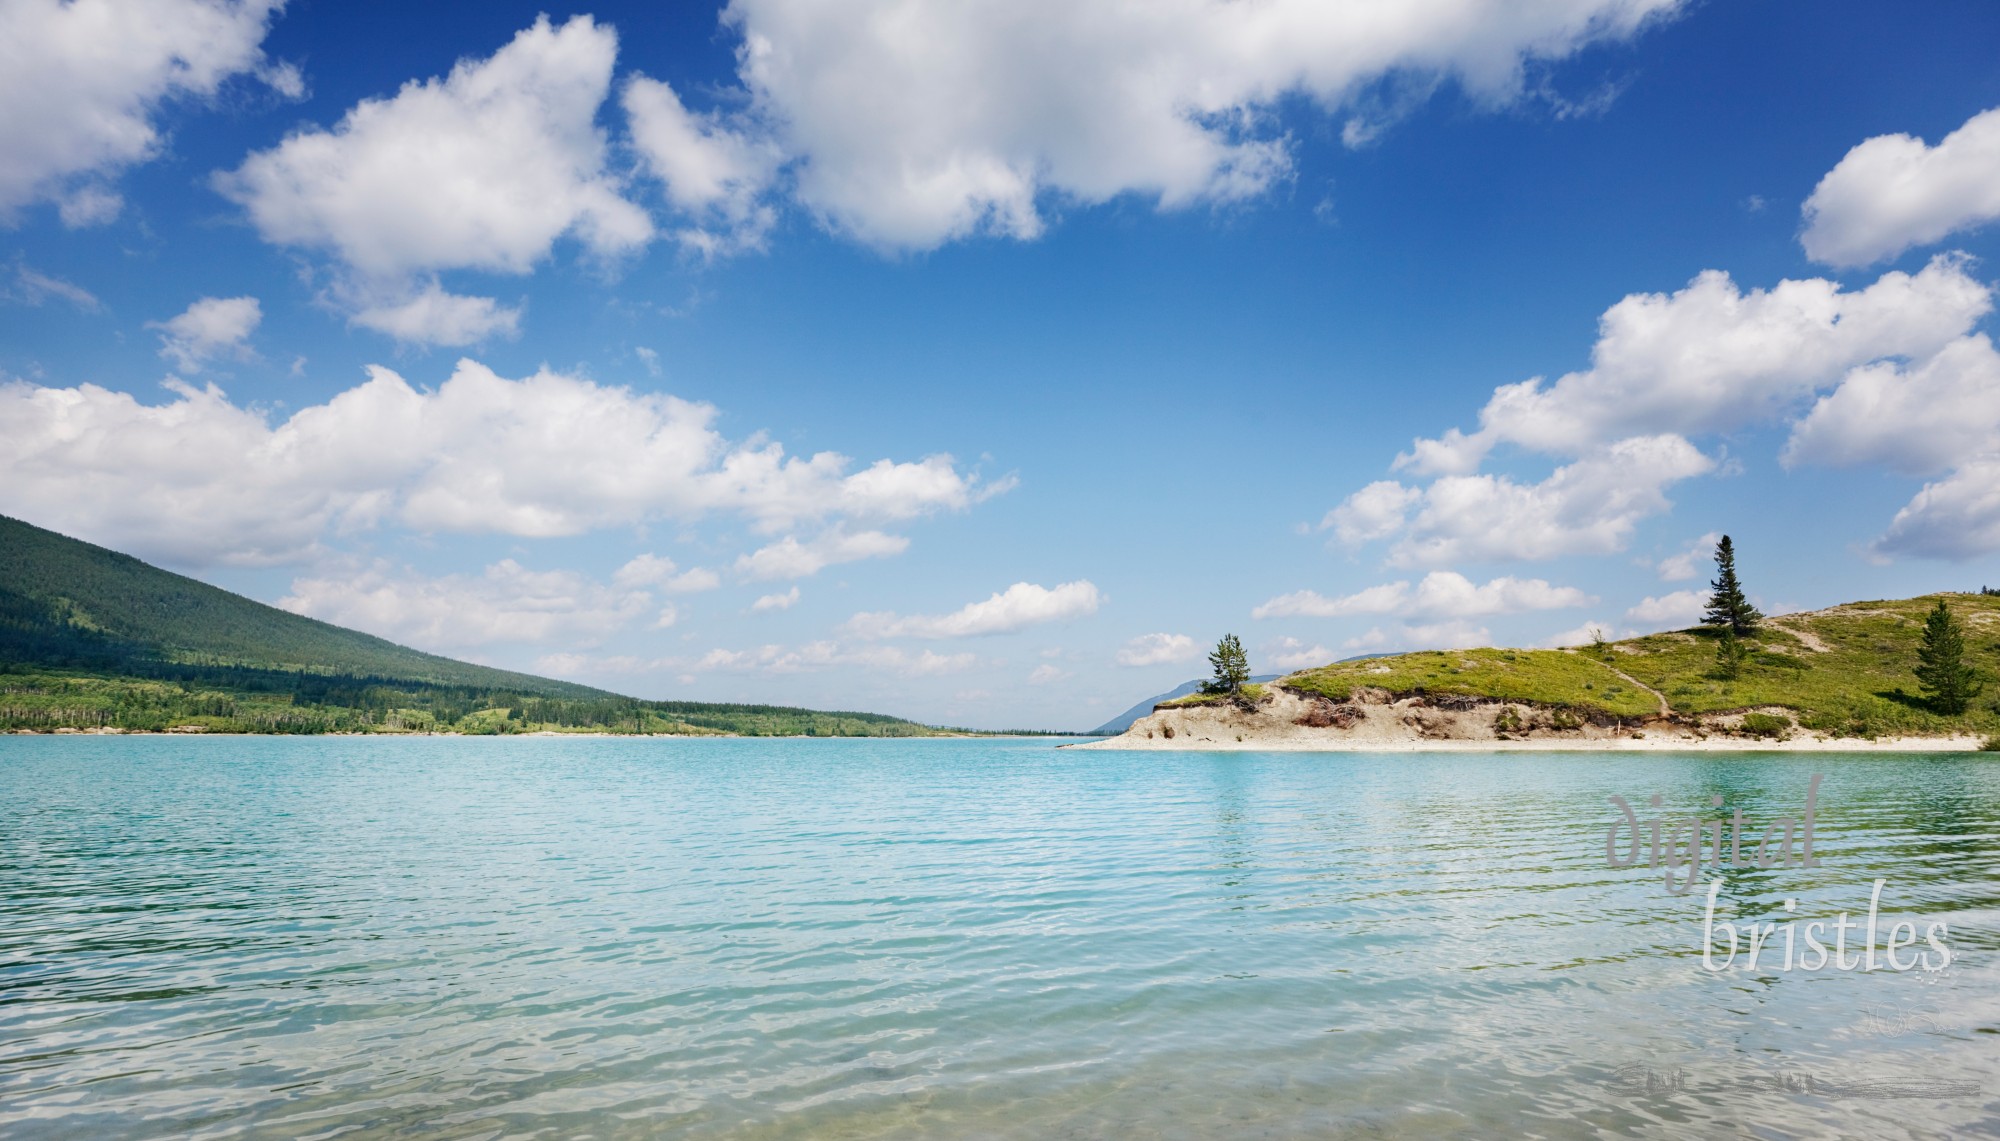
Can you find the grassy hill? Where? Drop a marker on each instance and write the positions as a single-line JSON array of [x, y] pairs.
[[90, 600], [90, 638], [1843, 671]]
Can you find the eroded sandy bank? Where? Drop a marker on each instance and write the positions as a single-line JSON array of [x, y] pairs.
[[1376, 722]]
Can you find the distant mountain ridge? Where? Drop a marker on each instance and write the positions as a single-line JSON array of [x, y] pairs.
[[1124, 720], [94, 639]]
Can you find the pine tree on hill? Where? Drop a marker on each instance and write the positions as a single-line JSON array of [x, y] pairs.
[[1727, 605], [1941, 670], [1231, 664]]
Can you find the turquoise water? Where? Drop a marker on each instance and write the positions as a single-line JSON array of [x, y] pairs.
[[345, 937]]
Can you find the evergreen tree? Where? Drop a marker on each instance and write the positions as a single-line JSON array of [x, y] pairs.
[[1728, 655], [1727, 605], [1231, 664], [1941, 670]]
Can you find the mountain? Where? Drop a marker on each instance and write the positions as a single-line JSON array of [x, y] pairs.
[[91, 638], [1124, 720], [96, 602]]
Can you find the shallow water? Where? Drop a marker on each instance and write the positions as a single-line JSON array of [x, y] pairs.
[[611, 938]]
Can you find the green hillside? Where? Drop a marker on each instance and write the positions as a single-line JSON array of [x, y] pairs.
[[90, 638], [149, 612], [1844, 671]]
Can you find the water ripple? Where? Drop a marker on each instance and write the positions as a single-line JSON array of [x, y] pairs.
[[930, 939]]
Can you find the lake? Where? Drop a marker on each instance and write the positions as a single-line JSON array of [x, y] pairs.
[[749, 939]]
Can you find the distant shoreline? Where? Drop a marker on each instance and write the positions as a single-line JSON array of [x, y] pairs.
[[116, 732]]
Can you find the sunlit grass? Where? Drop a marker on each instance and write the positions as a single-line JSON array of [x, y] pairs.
[[1860, 684], [1547, 677]]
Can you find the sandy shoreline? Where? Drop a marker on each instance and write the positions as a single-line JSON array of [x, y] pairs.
[[1286, 721], [1797, 744]]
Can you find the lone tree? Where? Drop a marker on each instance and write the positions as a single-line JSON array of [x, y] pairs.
[[1232, 666], [1727, 607], [1941, 670]]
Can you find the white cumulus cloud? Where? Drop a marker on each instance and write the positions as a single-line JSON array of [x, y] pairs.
[[1893, 192], [784, 601], [207, 329], [715, 171], [1687, 563], [789, 558], [83, 85], [659, 571], [814, 656], [200, 479], [770, 659], [1441, 594], [914, 122], [1920, 417], [1930, 416], [1448, 594], [483, 169], [1956, 518], [1713, 358], [1590, 506], [1583, 635], [1454, 635], [1020, 606], [1292, 654], [1377, 511], [1890, 374], [507, 603], [1383, 599], [424, 314], [1157, 650], [1680, 609]]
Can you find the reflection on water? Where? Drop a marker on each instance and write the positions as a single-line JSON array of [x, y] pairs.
[[910, 939]]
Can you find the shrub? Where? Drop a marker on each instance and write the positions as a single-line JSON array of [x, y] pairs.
[[1766, 725], [1992, 745], [1729, 655]]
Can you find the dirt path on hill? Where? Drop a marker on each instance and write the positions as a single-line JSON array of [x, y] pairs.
[[1806, 638], [1666, 710]]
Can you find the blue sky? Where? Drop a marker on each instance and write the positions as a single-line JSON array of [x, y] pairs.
[[1087, 334]]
